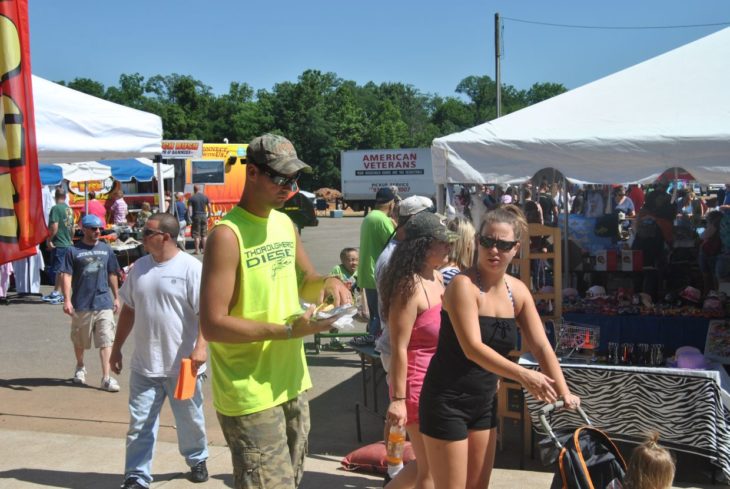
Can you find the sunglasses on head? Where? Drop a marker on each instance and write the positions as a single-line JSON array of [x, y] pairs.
[[151, 232], [501, 244], [278, 178]]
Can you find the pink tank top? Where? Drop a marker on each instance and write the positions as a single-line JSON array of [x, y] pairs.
[[421, 347]]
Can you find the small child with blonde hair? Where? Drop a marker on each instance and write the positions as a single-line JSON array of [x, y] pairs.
[[651, 467]]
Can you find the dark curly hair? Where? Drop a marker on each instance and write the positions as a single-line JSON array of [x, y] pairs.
[[398, 279]]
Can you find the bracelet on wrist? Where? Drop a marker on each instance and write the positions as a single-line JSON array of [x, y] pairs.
[[288, 329], [397, 398]]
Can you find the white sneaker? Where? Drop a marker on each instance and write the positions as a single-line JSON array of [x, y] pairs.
[[80, 375], [53, 296], [110, 384]]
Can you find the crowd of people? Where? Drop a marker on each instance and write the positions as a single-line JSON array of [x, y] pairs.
[[441, 308], [448, 316], [670, 223]]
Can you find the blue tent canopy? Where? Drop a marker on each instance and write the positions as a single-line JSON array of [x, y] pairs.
[[139, 169], [51, 174]]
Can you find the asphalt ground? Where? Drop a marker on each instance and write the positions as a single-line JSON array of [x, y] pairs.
[[57, 434]]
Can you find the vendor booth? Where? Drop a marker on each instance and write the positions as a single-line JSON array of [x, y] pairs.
[[672, 111], [74, 131], [81, 138]]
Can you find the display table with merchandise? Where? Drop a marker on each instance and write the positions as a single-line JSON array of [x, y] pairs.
[[671, 331], [690, 409]]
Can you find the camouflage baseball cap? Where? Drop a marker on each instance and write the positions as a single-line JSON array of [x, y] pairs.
[[276, 152], [428, 225]]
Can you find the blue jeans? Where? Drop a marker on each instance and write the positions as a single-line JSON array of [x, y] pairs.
[[146, 396], [374, 323]]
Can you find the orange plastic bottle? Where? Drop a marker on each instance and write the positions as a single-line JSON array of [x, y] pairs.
[[395, 444]]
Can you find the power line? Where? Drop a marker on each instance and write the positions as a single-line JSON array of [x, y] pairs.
[[616, 27]]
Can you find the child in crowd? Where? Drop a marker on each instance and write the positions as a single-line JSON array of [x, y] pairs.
[[347, 272], [143, 214], [651, 467], [347, 269]]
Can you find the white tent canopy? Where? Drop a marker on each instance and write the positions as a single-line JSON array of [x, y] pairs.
[[72, 126], [669, 111]]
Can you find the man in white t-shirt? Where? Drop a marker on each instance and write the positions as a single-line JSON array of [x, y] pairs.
[[161, 299]]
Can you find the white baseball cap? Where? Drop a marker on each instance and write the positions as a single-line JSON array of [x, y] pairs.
[[414, 204], [596, 292]]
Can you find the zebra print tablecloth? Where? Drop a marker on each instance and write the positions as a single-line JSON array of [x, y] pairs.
[[689, 408]]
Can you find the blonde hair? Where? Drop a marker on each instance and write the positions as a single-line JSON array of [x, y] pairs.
[[462, 250], [651, 466], [507, 214]]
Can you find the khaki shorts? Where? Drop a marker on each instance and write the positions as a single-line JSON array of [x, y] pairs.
[[199, 229], [100, 324], [268, 448]]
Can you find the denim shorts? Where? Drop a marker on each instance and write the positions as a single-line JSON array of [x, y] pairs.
[[57, 257]]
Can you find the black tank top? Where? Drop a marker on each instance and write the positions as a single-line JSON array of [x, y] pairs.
[[449, 367]]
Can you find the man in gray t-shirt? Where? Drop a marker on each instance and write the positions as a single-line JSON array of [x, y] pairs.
[[199, 212], [89, 282]]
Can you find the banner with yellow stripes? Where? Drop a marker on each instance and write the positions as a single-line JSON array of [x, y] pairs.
[[22, 225]]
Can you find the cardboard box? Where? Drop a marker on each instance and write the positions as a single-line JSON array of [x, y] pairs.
[[631, 261], [606, 261]]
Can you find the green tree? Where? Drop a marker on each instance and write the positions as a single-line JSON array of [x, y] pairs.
[[482, 93], [387, 130], [543, 91], [185, 105], [130, 92], [320, 113], [450, 115], [88, 86]]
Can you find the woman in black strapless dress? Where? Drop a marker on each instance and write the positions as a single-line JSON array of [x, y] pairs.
[[482, 309]]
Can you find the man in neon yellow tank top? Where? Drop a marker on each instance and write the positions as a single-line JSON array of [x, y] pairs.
[[254, 271]]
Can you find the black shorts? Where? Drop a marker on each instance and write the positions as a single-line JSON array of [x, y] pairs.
[[451, 415]]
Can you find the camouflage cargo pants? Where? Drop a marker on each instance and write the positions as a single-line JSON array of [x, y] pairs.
[[268, 447]]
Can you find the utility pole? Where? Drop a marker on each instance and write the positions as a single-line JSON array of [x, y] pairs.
[[497, 56]]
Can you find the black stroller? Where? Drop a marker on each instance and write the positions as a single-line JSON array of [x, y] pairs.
[[586, 458]]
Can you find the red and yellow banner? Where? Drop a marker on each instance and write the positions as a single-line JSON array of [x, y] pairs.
[[22, 225]]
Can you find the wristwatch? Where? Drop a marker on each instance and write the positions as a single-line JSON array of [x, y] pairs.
[[288, 328]]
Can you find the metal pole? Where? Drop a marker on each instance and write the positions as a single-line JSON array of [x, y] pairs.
[[497, 56], [441, 198], [566, 216], [160, 184]]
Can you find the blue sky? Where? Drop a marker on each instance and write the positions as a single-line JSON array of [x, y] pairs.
[[429, 44]]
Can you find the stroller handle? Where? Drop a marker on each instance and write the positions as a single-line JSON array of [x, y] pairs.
[[547, 409]]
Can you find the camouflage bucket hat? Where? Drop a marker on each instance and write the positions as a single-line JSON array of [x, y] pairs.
[[276, 152]]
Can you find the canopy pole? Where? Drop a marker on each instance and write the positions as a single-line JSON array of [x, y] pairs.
[[86, 198], [160, 184], [440, 198], [566, 217]]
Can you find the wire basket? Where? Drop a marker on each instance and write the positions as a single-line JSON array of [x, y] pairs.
[[577, 340]]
